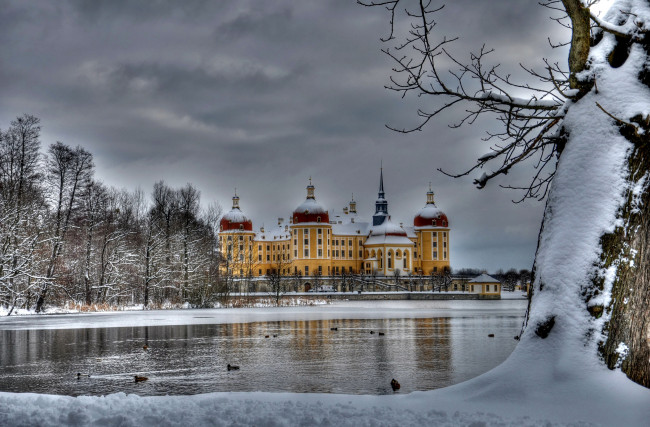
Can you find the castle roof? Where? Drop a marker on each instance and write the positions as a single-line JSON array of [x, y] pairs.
[[430, 216], [234, 219], [388, 233], [310, 210]]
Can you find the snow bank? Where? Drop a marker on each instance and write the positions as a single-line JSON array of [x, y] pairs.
[[560, 401]]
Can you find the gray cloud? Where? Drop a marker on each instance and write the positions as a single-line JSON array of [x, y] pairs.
[[260, 96]]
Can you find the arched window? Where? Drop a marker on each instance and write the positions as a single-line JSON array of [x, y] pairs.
[[433, 222], [241, 226], [390, 259], [318, 219]]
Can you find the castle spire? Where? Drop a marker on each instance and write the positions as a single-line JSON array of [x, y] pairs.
[[353, 205], [235, 200], [381, 205], [430, 196], [310, 190], [381, 181]]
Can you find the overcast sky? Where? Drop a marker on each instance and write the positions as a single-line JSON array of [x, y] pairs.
[[262, 95]]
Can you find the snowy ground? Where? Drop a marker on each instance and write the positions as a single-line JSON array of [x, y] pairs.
[[605, 399], [569, 392]]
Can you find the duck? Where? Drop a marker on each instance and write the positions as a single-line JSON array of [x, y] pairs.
[[381, 334], [266, 336], [145, 347], [79, 375], [233, 367], [334, 329], [394, 384], [139, 378], [372, 332], [491, 335]]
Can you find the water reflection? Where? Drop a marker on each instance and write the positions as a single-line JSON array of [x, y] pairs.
[[291, 356]]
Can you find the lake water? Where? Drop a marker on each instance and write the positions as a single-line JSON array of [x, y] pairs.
[[426, 345]]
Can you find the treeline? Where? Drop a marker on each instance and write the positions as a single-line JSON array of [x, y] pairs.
[[64, 236]]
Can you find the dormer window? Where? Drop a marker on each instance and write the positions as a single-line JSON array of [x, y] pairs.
[[433, 222], [318, 219], [444, 223], [241, 226]]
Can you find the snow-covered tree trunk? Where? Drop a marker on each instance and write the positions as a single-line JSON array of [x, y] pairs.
[[591, 287]]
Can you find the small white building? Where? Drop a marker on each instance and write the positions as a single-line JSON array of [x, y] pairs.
[[484, 285]]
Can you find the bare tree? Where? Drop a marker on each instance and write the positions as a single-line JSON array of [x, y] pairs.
[[21, 209], [278, 279], [68, 170], [551, 119]]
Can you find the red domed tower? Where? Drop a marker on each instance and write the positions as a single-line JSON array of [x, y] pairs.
[[310, 210], [311, 236], [430, 215], [235, 218], [432, 230], [236, 240]]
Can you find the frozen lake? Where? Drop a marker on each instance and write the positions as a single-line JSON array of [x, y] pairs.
[[426, 345]]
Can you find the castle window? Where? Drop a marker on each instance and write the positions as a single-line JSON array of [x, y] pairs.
[[320, 230], [318, 220], [268, 257], [306, 241], [320, 241], [320, 252], [241, 226], [444, 223], [435, 255], [259, 257], [295, 253], [444, 254], [349, 254], [230, 238], [320, 269], [306, 253], [306, 270]]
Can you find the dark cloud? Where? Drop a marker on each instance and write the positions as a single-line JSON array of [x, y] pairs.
[[262, 95]]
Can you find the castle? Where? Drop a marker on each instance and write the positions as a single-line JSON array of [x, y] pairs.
[[315, 243]]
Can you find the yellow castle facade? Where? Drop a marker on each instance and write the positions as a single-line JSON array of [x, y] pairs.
[[315, 243]]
